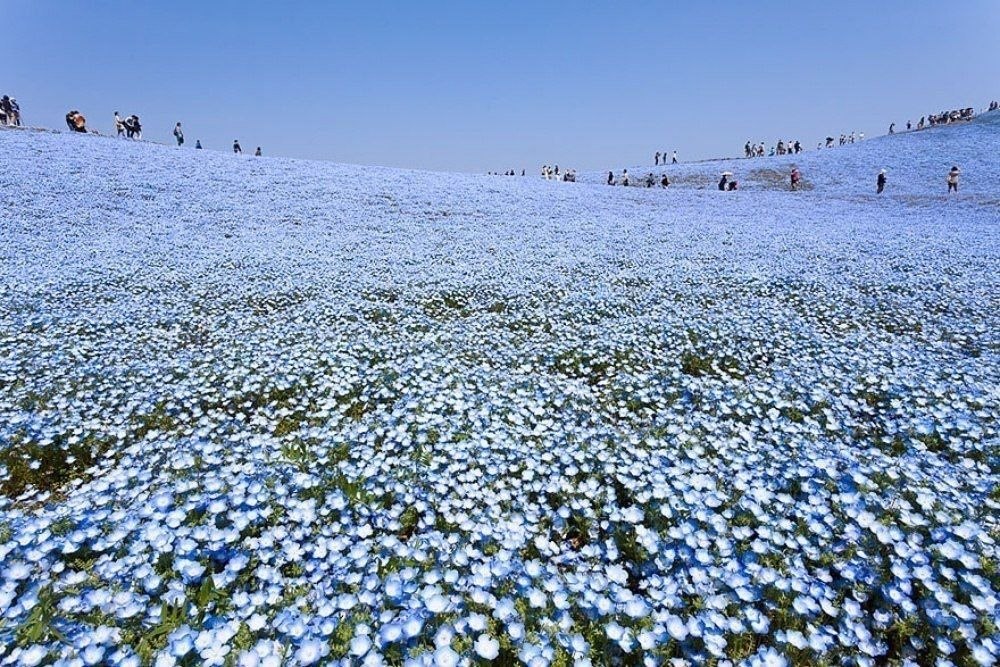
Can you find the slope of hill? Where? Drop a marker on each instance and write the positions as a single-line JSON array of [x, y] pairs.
[[917, 163], [277, 410]]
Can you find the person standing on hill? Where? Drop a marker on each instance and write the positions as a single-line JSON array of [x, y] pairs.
[[953, 179], [179, 134], [656, 159], [611, 178], [625, 177], [197, 144], [892, 128], [119, 125], [674, 160], [880, 182], [236, 146], [7, 113], [257, 152]]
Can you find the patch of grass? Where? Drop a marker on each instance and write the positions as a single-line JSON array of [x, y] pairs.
[[48, 467]]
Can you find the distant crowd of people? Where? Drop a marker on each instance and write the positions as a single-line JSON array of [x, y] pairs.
[[131, 128], [789, 147], [10, 112], [553, 174], [844, 139], [661, 158], [943, 118], [648, 181]]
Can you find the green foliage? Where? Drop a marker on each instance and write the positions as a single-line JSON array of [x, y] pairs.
[[48, 467], [154, 640], [39, 627]]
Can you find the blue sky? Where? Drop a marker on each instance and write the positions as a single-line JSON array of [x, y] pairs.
[[476, 86]]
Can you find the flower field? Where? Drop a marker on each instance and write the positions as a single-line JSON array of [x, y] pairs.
[[262, 412]]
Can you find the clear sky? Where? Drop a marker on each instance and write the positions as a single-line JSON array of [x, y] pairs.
[[478, 86]]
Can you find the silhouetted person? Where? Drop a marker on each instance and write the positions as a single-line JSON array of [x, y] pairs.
[[257, 152], [880, 183], [236, 146], [953, 179], [197, 144]]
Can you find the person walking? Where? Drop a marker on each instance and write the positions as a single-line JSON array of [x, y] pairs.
[[674, 160], [880, 182], [179, 134], [953, 179], [236, 146]]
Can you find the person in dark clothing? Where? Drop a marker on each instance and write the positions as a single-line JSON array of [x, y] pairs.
[[76, 122], [257, 152], [6, 111], [656, 159], [197, 144], [665, 182], [723, 182], [953, 180], [892, 128], [236, 146], [611, 178], [880, 183], [133, 128]]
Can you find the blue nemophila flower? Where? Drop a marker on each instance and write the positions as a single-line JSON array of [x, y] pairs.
[[527, 432]]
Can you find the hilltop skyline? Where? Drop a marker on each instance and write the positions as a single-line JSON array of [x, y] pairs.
[[475, 88]]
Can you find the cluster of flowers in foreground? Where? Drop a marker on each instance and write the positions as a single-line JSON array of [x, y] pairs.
[[298, 425]]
